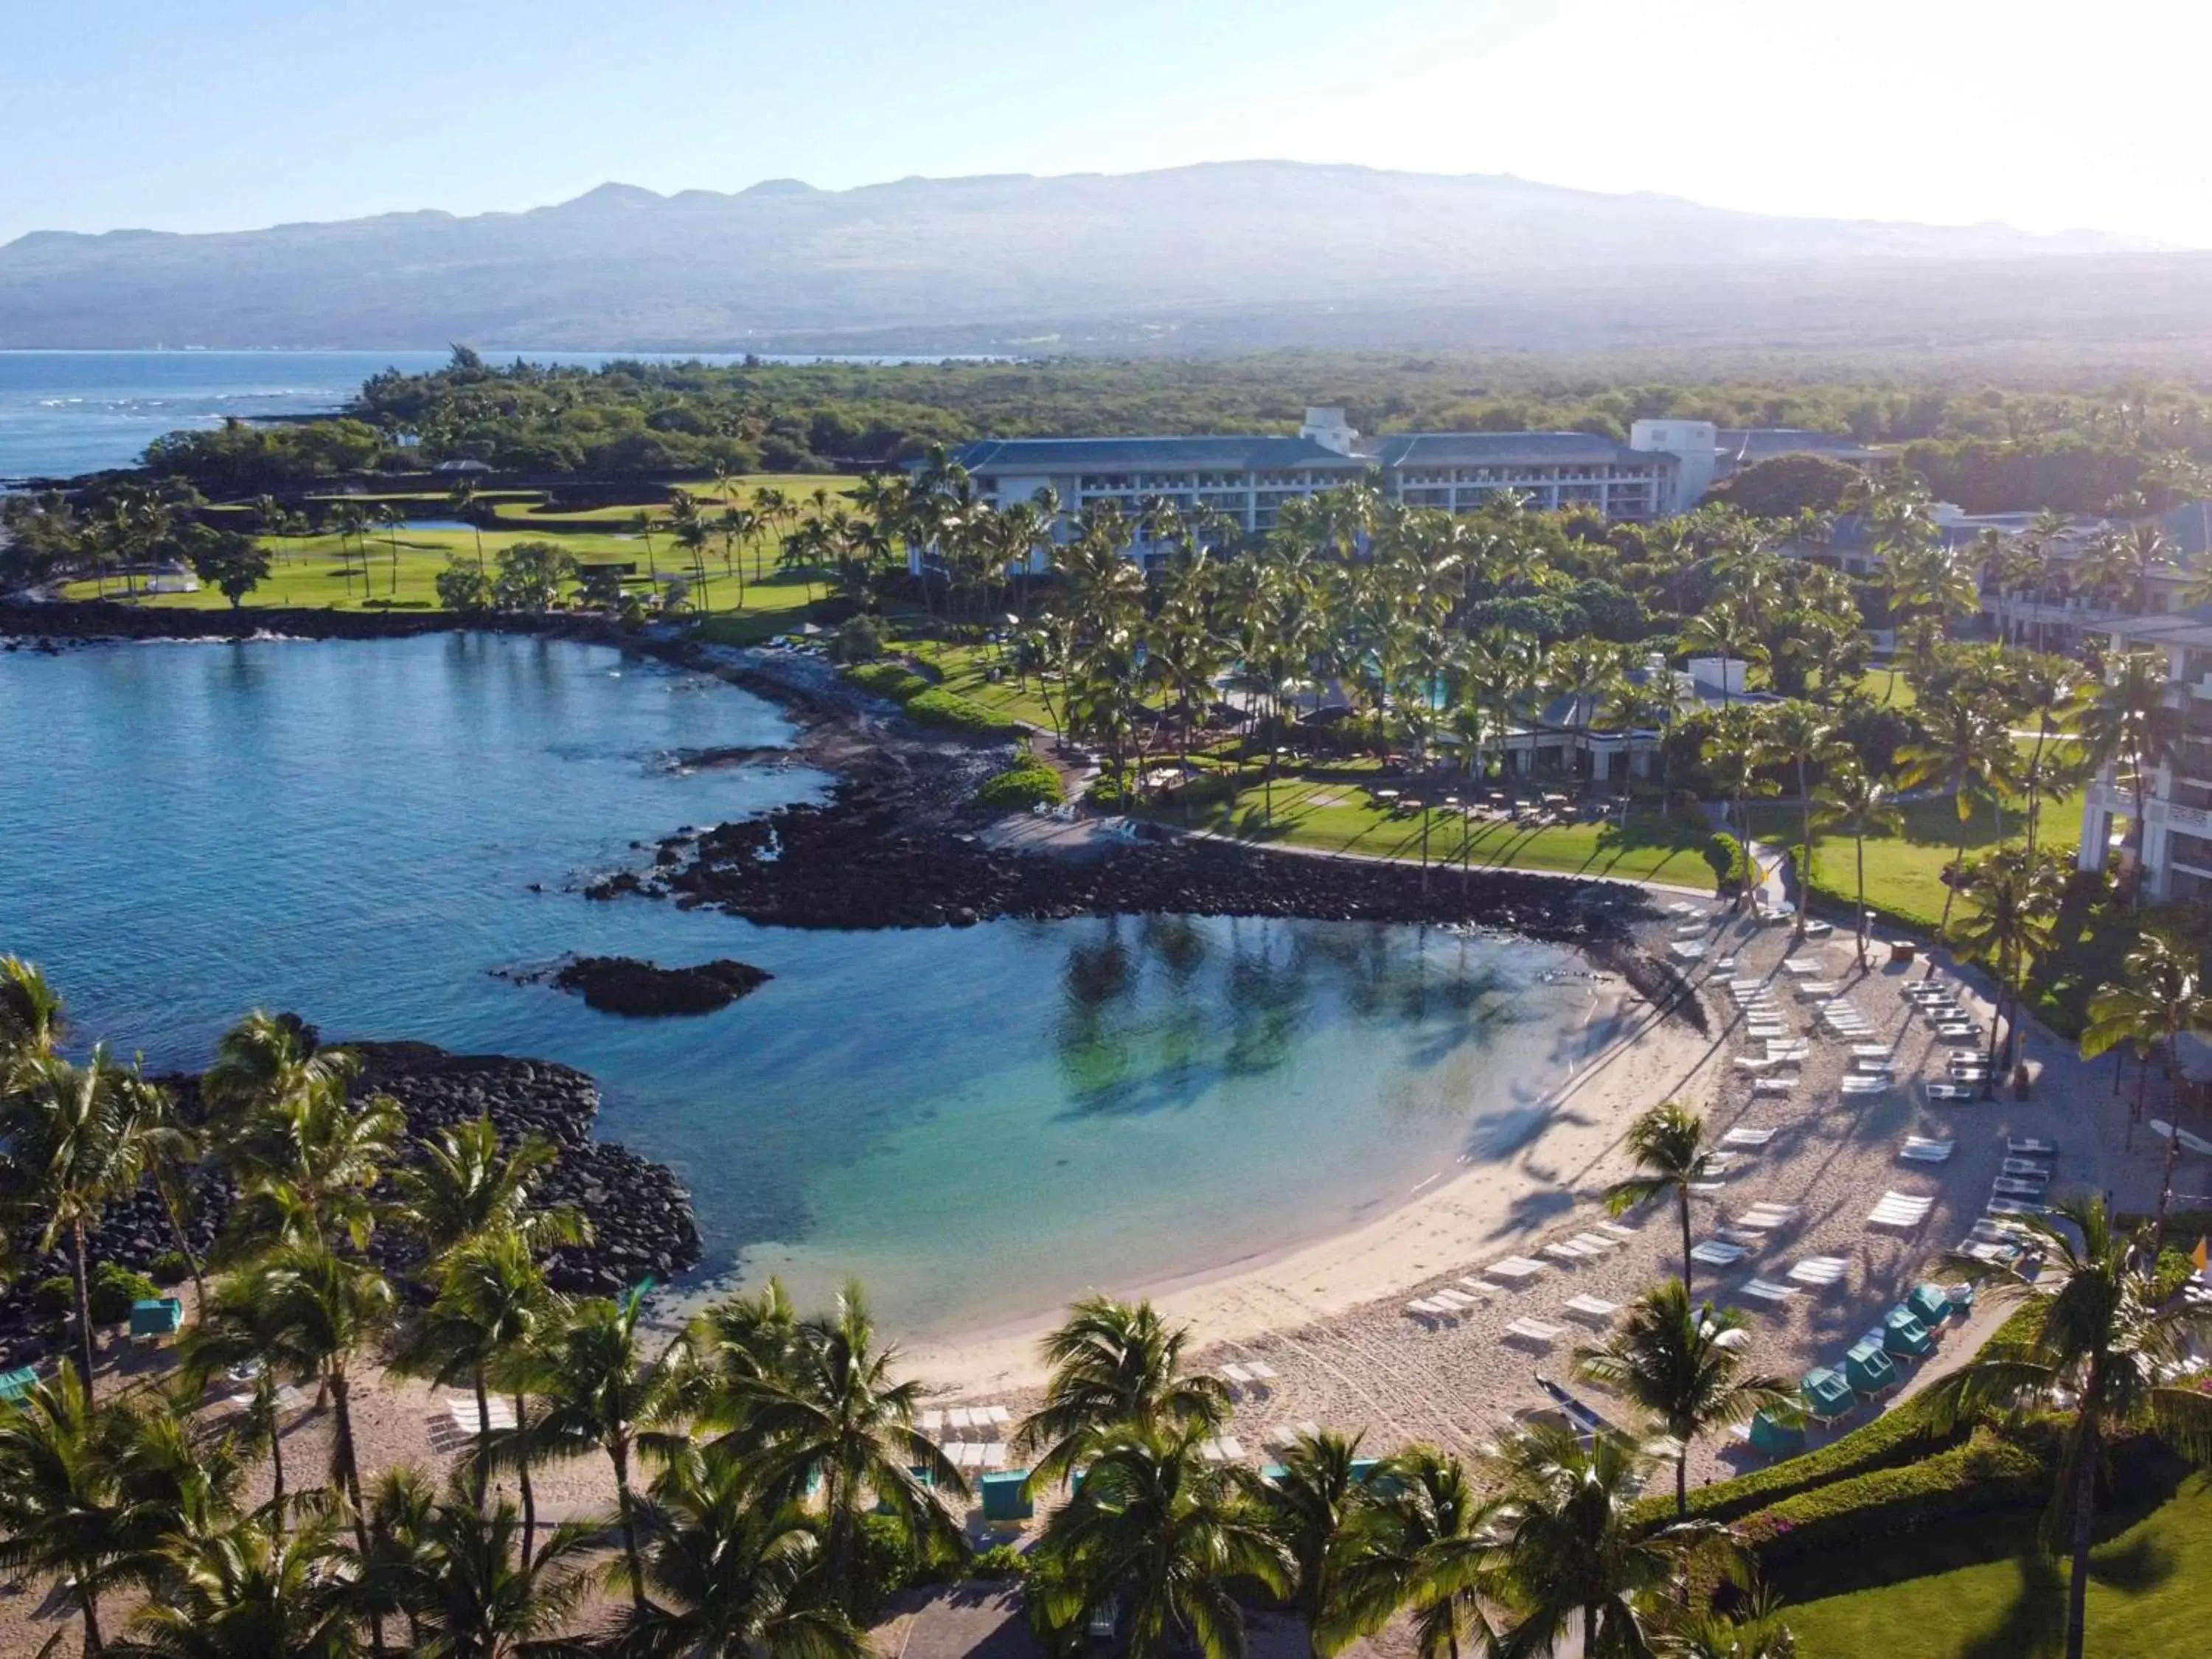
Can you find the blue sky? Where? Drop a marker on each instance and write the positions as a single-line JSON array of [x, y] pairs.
[[226, 114]]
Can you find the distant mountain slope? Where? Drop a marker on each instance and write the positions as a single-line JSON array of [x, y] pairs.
[[1220, 248]]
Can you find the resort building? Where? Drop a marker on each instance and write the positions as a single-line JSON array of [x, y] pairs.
[[1665, 468], [2172, 846]]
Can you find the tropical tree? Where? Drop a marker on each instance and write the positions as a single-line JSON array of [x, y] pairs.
[[63, 1515], [1679, 1362], [309, 1163], [239, 1329], [463, 1186], [733, 1573], [2156, 1001], [1110, 1363], [73, 1139], [2128, 725], [836, 1415], [1154, 1538], [1800, 735], [1727, 632], [249, 1590], [1422, 1545], [1567, 1551], [470, 1593], [2102, 1334], [598, 1391], [1314, 1507], [2014, 920], [32, 1021], [1668, 1143], [1966, 749], [1854, 799]]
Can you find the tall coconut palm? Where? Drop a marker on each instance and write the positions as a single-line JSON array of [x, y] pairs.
[[63, 1515], [1314, 1505], [1158, 1536], [464, 1186], [239, 1327], [248, 1591], [742, 1339], [839, 1416], [329, 1307], [1725, 630], [32, 1020], [1674, 1360], [2157, 999], [597, 1392], [2128, 726], [455, 1571], [2015, 895], [1669, 1145], [1422, 1546], [308, 1163], [1854, 799], [1112, 1363], [492, 1303], [73, 1139], [1735, 749], [2103, 1333], [1568, 1552], [732, 1573], [266, 1057], [1801, 736], [1966, 749]]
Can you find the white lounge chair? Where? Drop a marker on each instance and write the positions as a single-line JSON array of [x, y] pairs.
[[1535, 1331], [932, 1423], [2028, 1146], [1924, 1149], [1820, 1270], [1801, 967], [1514, 1269], [1950, 1091], [1774, 1085], [1595, 1244], [2027, 1169], [1861, 1083], [1765, 1289], [1574, 1256], [1595, 1308], [1261, 1370], [1715, 1252], [1743, 1136], [1422, 1308], [1458, 1301], [2010, 1187], [1765, 1218], [1872, 1050], [1900, 1210]]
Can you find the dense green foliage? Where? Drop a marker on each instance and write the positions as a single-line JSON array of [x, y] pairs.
[[949, 711], [1029, 783]]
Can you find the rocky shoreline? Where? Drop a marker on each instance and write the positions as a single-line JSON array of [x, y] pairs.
[[645, 990]]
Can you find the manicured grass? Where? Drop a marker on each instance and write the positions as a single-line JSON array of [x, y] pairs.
[[1985, 1593], [310, 572], [1888, 686], [966, 670], [797, 487], [1337, 817]]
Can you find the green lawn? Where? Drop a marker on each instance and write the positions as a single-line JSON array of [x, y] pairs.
[[1983, 1592], [798, 486], [309, 571]]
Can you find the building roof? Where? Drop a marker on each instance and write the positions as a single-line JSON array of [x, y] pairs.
[[1499, 448], [2191, 627], [1041, 456]]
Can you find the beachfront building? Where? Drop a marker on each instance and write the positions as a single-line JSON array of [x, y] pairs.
[[2171, 845], [1665, 468]]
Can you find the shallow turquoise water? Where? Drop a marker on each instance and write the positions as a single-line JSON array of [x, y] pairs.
[[980, 1122]]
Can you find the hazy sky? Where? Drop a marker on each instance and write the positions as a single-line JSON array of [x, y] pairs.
[[224, 114]]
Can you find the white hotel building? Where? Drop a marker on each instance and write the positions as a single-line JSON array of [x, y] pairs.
[[1664, 468], [2172, 845]]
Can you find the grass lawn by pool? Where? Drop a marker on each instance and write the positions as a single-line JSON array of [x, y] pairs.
[[1984, 1592]]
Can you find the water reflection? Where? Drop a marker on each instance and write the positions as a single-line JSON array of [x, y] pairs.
[[1154, 1013]]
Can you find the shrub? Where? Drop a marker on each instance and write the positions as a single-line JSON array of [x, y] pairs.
[[55, 1295], [1990, 1471], [1107, 791], [860, 640], [1731, 870], [999, 1561], [1028, 782], [169, 1269], [950, 712], [894, 680], [114, 1288]]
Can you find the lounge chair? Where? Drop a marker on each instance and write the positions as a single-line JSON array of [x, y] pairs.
[[1714, 1253], [16, 1384], [1573, 1254], [1618, 1228], [1514, 1269], [1930, 1304], [1904, 1335], [1996, 1255], [1595, 1308], [1765, 1289], [1534, 1331], [1747, 1137], [1900, 1210], [1457, 1301], [2015, 1206], [1818, 929], [1858, 1083], [1872, 1050], [1238, 1375], [1767, 1217], [1774, 1085], [931, 1423], [2009, 1187], [1774, 1436], [2027, 1169], [1801, 967], [2028, 1146], [1950, 1091], [1867, 1369], [1261, 1372], [1595, 1244], [1827, 1394], [1426, 1311], [1820, 1270], [1920, 1149]]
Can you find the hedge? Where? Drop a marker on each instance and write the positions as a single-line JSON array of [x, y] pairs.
[[1990, 1471], [1028, 782], [894, 680], [950, 712]]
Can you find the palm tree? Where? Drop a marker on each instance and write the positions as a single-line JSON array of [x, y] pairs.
[[2102, 1333], [1800, 735], [32, 1020], [263, 1058], [2156, 1001], [461, 1188], [63, 1512], [1966, 750], [1313, 1506], [742, 1339], [1566, 1547], [309, 1162], [462, 497], [2014, 919], [733, 1574], [238, 1327], [492, 1301], [1113, 1363], [456, 1574], [1725, 631], [599, 1391], [1422, 1544], [837, 1416], [2128, 725], [1736, 745], [1668, 1144], [73, 1139], [1853, 798], [246, 1590], [1671, 1358], [1154, 1538], [328, 1307]]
